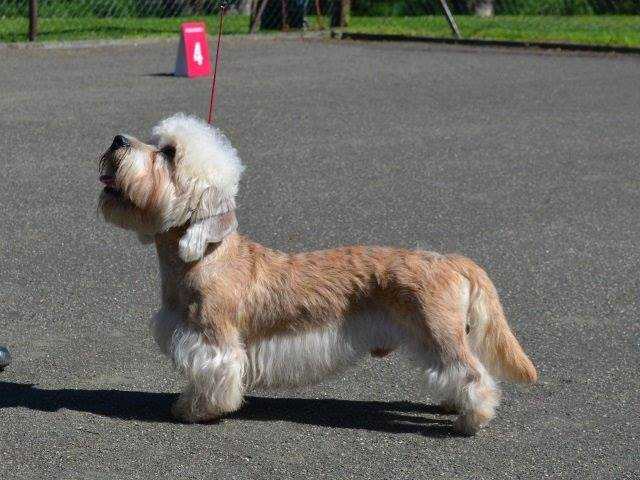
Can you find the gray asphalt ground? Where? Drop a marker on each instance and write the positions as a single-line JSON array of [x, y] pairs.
[[526, 162]]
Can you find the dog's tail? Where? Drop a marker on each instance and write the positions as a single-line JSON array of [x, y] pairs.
[[488, 331]]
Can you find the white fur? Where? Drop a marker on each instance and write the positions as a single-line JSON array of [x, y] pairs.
[[135, 165], [284, 360], [293, 359], [214, 372], [453, 384], [206, 171], [194, 242], [218, 375], [207, 230], [209, 168], [205, 153]]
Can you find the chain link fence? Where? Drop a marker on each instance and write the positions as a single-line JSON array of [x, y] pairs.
[[592, 22], [110, 8], [579, 21], [244, 15]]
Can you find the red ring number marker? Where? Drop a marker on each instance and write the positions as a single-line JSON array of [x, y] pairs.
[[193, 52]]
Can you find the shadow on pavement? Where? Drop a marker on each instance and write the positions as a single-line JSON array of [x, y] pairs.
[[142, 406], [162, 74], [390, 417]]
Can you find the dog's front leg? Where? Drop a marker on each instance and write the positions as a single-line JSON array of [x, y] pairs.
[[213, 364]]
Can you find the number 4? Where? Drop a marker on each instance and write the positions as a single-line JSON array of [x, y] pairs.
[[197, 54]]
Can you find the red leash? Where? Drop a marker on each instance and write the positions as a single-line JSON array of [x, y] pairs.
[[212, 100]]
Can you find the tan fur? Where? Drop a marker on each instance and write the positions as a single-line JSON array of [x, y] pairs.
[[499, 349], [224, 306]]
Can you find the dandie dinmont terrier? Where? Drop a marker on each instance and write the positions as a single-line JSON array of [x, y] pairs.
[[237, 315]]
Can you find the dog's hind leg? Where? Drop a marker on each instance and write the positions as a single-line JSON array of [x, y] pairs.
[[454, 371], [468, 390], [213, 365]]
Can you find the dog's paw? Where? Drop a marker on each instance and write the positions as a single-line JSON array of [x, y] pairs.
[[184, 412], [180, 413], [470, 423], [464, 427], [449, 408]]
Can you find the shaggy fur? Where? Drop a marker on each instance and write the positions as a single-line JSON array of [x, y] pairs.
[[237, 315]]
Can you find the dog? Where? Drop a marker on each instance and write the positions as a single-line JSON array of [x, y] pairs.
[[236, 315]]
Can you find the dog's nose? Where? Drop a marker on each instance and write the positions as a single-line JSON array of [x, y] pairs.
[[119, 141]]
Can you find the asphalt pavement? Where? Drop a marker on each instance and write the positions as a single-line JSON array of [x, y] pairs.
[[527, 162]]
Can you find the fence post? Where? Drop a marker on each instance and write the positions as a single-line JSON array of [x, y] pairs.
[[340, 10], [450, 19], [33, 20], [256, 16]]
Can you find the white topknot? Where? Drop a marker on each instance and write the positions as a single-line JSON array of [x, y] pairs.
[[206, 155]]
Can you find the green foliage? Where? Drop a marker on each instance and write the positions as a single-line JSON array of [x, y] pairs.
[[622, 30], [566, 7], [544, 7], [375, 8], [501, 7], [591, 29], [107, 8], [54, 29]]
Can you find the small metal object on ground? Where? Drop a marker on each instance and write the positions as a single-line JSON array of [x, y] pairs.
[[5, 358]]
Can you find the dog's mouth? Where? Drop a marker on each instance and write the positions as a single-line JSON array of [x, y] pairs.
[[107, 170], [110, 188]]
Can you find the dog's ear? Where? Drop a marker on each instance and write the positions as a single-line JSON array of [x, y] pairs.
[[211, 221]]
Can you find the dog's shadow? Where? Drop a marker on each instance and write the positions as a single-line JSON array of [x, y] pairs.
[[390, 417]]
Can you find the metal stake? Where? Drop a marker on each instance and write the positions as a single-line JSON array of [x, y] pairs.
[[452, 23]]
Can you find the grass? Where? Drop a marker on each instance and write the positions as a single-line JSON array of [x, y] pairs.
[[619, 30], [83, 28], [596, 30]]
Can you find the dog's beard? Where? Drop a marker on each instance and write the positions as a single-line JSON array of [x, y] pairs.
[[110, 160], [113, 203], [120, 211]]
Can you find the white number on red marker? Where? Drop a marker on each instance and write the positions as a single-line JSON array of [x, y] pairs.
[[197, 54]]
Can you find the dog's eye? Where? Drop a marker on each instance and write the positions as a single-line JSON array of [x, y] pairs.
[[169, 152]]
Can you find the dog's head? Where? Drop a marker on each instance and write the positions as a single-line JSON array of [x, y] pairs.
[[186, 176]]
